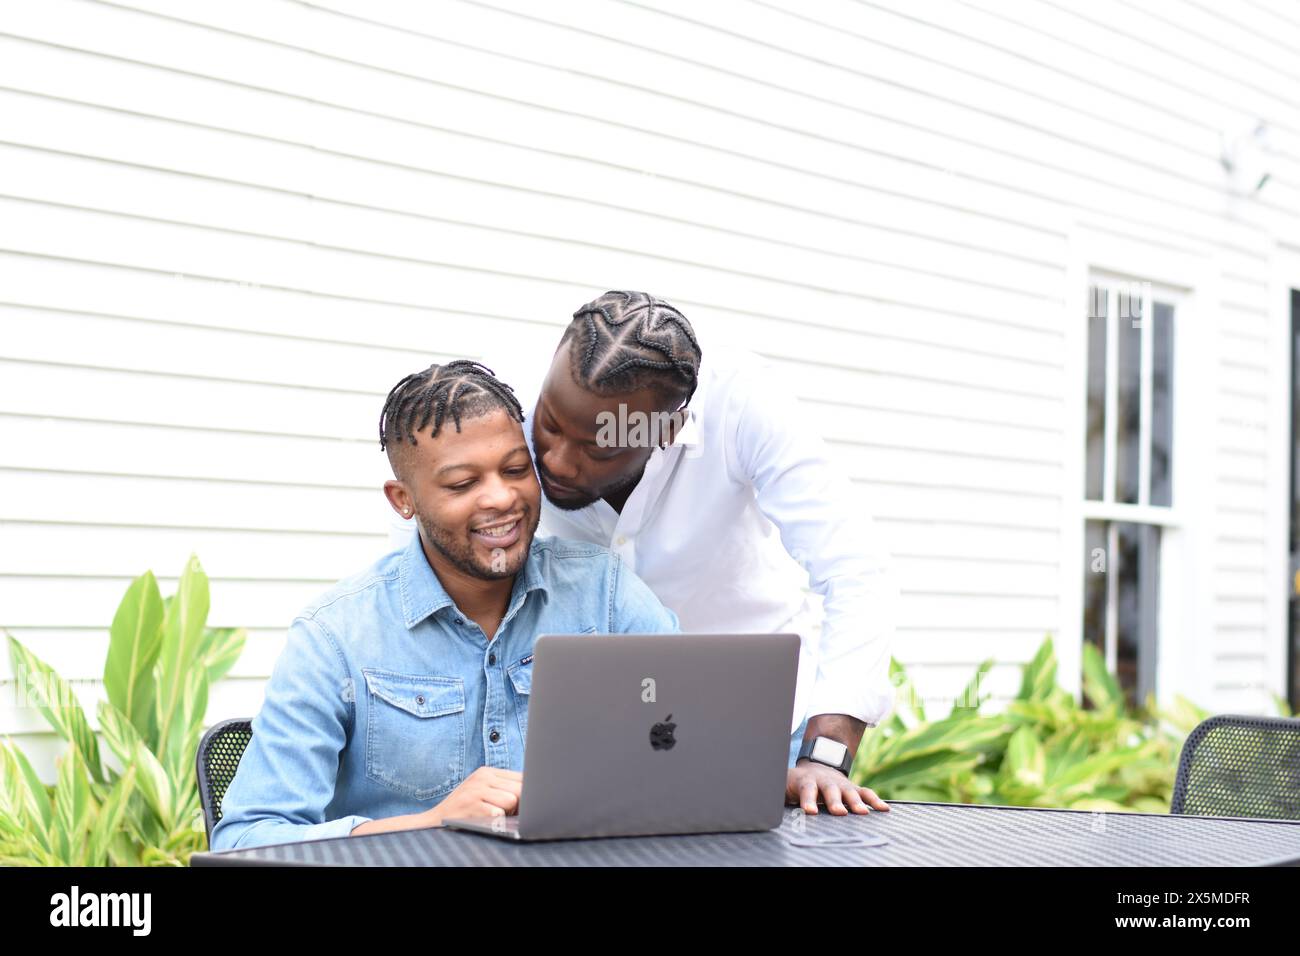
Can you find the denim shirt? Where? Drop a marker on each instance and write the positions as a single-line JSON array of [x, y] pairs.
[[387, 696]]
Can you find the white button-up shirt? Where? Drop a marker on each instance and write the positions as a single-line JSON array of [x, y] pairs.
[[731, 524]]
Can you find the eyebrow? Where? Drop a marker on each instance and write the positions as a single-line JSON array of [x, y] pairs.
[[586, 441], [506, 456]]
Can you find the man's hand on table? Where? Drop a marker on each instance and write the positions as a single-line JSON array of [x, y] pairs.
[[808, 781]]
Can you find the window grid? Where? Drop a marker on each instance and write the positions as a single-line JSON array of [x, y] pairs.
[[1116, 307]]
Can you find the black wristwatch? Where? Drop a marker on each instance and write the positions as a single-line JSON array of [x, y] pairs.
[[830, 752]]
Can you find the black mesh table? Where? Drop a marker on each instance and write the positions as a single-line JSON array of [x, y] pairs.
[[916, 834]]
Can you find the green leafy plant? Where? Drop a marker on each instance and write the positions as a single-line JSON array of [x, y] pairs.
[[1043, 750], [162, 659]]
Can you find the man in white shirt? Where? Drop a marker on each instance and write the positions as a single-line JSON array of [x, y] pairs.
[[708, 480]]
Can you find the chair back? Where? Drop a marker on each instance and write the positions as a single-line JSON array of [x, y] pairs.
[[1236, 766], [217, 760]]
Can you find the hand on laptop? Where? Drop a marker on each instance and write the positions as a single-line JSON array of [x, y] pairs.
[[807, 782], [487, 792]]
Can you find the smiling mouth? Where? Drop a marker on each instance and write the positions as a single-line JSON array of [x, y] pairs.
[[502, 529], [501, 534]]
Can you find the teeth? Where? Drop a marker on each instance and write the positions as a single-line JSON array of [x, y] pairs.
[[499, 531]]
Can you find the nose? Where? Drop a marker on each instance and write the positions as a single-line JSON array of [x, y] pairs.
[[497, 495], [560, 463]]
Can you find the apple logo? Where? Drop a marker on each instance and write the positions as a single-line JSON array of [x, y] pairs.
[[661, 735]]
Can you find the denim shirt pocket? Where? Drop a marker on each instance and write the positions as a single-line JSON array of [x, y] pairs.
[[415, 738], [521, 679]]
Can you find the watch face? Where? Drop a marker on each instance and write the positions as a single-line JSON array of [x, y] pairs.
[[828, 751]]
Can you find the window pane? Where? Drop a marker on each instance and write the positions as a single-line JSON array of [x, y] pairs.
[[1095, 563], [1096, 465], [1137, 565], [1129, 411], [1162, 408]]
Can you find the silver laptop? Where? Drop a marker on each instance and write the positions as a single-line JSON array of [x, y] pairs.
[[633, 735]]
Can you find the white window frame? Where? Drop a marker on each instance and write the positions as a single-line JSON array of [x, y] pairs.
[[1285, 277], [1108, 509], [1190, 276]]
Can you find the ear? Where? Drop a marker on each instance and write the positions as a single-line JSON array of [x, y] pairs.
[[398, 496]]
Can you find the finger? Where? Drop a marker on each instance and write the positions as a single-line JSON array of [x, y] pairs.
[[514, 784], [852, 797], [498, 797], [808, 796], [490, 810], [872, 799], [831, 795], [495, 773]]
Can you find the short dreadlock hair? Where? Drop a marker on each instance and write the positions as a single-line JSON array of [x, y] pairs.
[[624, 341], [460, 388]]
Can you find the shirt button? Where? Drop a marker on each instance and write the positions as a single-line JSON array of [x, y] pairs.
[[494, 736], [620, 540], [492, 658], [460, 620], [420, 700]]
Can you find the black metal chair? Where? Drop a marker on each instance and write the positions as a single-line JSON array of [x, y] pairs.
[[217, 760], [1236, 766]]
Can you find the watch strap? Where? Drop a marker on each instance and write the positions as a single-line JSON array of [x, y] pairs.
[[805, 751]]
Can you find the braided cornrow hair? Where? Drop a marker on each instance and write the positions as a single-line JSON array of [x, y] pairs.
[[461, 388], [624, 341]]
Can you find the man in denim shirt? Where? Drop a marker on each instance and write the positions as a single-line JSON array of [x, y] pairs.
[[401, 697]]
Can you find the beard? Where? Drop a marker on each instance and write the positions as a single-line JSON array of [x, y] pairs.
[[458, 548], [586, 498]]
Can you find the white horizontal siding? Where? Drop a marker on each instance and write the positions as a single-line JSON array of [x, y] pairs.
[[227, 228]]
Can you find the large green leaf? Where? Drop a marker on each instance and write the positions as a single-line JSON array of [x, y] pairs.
[[908, 705], [1093, 773], [132, 750], [184, 623], [1065, 751], [968, 704], [118, 732], [1102, 689], [133, 647], [24, 805], [155, 785], [54, 698], [180, 748], [1056, 711], [935, 767], [956, 734], [221, 648], [109, 820], [73, 808], [1038, 679], [34, 798], [1025, 763]]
